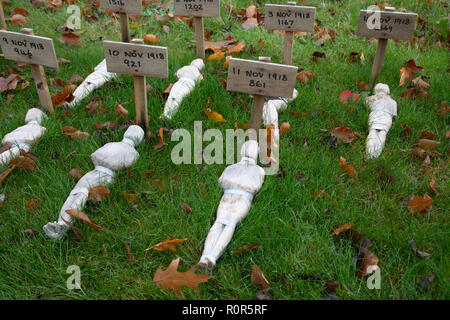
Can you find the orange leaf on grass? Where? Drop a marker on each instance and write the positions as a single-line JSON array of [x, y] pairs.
[[24, 162], [130, 197], [79, 215], [343, 134], [171, 279], [284, 128], [215, 116], [428, 144], [161, 140], [342, 228], [18, 20], [151, 38], [76, 174], [33, 205], [169, 244], [120, 111], [246, 248], [158, 183], [347, 168], [305, 75], [258, 278], [216, 56], [69, 38], [60, 98], [433, 186], [346, 95], [420, 204], [99, 193], [75, 230], [5, 173]]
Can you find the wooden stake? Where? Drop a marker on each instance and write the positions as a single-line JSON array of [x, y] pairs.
[[38, 74], [258, 106], [140, 96], [2, 17], [124, 27], [199, 36], [379, 56]]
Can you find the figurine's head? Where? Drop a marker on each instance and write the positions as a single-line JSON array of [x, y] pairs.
[[35, 114], [250, 149], [134, 135], [198, 63], [382, 88]]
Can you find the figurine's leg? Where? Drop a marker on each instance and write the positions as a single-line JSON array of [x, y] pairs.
[[375, 142], [8, 155], [207, 260]]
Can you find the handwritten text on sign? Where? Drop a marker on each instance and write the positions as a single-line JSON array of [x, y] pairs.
[[26, 48], [386, 25], [198, 8], [136, 59], [124, 6], [268, 79], [290, 18]]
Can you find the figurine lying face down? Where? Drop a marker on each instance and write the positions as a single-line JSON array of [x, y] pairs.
[[108, 159], [241, 182], [23, 137], [383, 111]]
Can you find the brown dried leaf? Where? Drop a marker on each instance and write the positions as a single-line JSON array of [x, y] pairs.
[[420, 205], [79, 215], [18, 20], [129, 197], [69, 38], [343, 134], [76, 174], [428, 144], [33, 205], [99, 193], [258, 278], [186, 208], [348, 168], [342, 228]]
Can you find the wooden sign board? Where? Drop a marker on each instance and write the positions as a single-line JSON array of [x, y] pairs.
[[136, 59], [289, 18], [261, 78], [122, 6], [386, 25], [197, 8], [29, 49]]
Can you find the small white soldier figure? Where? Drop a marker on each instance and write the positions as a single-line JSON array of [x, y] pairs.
[[187, 78], [23, 137], [93, 81], [383, 111], [108, 159], [241, 182]]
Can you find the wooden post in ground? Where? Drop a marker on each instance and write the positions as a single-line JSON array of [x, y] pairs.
[[260, 78], [384, 25], [2, 17], [139, 60], [124, 27], [123, 8], [290, 18], [199, 37], [38, 74], [198, 9]]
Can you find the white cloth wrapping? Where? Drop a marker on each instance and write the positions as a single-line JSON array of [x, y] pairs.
[[93, 81], [383, 111], [108, 159], [270, 112], [23, 137], [241, 182], [187, 78]]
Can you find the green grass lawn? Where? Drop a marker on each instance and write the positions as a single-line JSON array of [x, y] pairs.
[[292, 226]]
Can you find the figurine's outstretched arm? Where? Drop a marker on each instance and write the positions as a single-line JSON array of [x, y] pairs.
[[107, 160], [187, 78], [383, 111], [23, 137], [93, 81]]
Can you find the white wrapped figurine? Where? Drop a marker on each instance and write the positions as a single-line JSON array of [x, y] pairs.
[[383, 111], [187, 78], [241, 182], [270, 112], [23, 137], [108, 159], [93, 81]]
